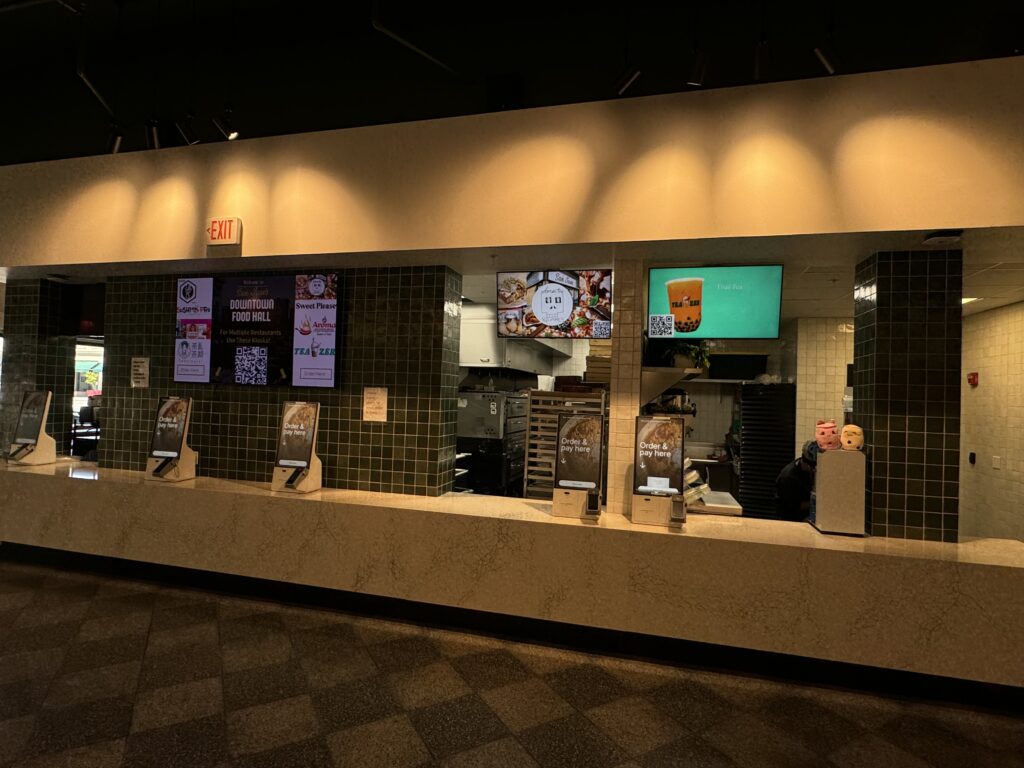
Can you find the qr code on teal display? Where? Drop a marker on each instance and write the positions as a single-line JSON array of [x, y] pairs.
[[660, 326]]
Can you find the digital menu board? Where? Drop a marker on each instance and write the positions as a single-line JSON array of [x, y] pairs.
[[658, 459], [298, 432], [252, 329], [30, 418], [555, 303], [257, 330], [315, 330], [172, 416], [580, 442], [714, 302]]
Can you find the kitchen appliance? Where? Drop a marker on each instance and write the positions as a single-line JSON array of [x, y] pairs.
[[492, 442], [491, 415]]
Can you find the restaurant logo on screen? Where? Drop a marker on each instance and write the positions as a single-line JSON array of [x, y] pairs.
[[714, 302], [555, 303], [192, 337], [316, 330]]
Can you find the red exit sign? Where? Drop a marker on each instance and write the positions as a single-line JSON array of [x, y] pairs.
[[223, 231]]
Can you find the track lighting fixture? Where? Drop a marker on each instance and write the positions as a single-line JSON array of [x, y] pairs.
[[225, 127], [826, 58], [115, 140], [700, 66], [185, 129], [152, 135], [760, 50], [627, 80]]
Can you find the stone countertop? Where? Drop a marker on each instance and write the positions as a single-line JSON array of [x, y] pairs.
[[978, 551]]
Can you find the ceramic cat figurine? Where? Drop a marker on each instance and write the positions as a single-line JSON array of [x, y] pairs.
[[826, 435], [852, 438]]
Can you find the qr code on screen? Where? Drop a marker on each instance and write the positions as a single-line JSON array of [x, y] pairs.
[[250, 365], [602, 329], [660, 326]]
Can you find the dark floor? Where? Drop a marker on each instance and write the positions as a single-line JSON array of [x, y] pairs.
[[98, 672]]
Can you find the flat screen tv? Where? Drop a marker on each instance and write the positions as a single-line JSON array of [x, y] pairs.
[[555, 304], [714, 302]]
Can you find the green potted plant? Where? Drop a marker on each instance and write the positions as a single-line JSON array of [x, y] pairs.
[[687, 355]]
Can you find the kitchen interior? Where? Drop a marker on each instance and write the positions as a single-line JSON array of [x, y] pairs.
[[498, 374], [813, 355]]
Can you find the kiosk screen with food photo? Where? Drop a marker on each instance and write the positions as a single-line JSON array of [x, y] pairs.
[[714, 302], [298, 430], [555, 304], [30, 419], [169, 431], [658, 463], [579, 451]]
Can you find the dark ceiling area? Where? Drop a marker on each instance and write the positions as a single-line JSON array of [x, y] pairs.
[[282, 67]]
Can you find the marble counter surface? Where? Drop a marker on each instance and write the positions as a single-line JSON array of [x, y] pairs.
[[944, 609], [981, 551]]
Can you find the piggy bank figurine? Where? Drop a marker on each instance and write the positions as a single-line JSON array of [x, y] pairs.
[[826, 435], [852, 438]]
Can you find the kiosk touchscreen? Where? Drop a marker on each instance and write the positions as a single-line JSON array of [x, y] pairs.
[[658, 471], [298, 468], [170, 458], [578, 466], [32, 446]]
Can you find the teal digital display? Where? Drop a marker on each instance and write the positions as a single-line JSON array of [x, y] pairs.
[[714, 302]]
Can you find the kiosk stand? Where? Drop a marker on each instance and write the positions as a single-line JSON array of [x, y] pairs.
[[658, 472], [171, 460], [298, 469], [32, 447], [578, 465]]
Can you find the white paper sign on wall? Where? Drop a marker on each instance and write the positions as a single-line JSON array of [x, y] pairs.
[[375, 403], [140, 372], [223, 231]]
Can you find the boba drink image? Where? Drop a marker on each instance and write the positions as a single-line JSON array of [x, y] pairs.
[[684, 301]]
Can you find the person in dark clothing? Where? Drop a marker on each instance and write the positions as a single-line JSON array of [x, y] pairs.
[[794, 485]]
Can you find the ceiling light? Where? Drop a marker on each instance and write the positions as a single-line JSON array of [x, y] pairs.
[[225, 127], [943, 237], [826, 59], [115, 140], [969, 299], [759, 57], [700, 66], [152, 135], [627, 80], [185, 129]]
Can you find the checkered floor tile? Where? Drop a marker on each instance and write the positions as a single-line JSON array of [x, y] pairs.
[[101, 672]]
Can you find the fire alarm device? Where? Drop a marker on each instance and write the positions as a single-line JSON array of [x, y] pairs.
[[972, 379]]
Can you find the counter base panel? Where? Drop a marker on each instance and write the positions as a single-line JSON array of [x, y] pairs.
[[928, 615]]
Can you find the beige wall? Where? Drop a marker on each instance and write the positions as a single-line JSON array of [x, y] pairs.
[[908, 149], [824, 348], [992, 424]]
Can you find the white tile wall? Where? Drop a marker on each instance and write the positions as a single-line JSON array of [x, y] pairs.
[[824, 348], [714, 411], [992, 424], [575, 365]]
